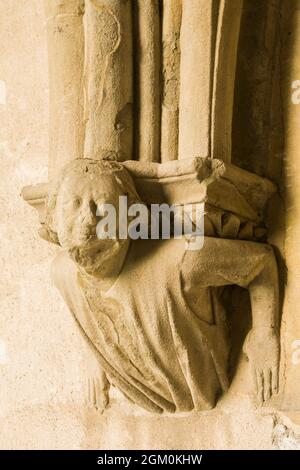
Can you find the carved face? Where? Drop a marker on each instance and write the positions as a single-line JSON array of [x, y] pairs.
[[77, 202]]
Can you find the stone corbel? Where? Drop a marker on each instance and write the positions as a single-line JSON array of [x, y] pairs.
[[234, 199], [151, 308], [107, 286]]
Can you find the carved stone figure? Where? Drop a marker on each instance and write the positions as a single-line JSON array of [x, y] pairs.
[[133, 84], [150, 308]]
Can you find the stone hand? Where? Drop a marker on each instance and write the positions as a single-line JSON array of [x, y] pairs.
[[98, 392], [262, 348]]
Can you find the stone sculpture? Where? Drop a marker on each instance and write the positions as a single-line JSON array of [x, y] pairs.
[[133, 84], [150, 308]]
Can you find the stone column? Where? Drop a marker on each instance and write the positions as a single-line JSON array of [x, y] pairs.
[[198, 33], [108, 78], [209, 36], [171, 23], [66, 59], [228, 29], [147, 70]]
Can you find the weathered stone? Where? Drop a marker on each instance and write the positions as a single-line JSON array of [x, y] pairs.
[[48, 370]]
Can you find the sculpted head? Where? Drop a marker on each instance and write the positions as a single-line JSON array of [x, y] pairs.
[[72, 203]]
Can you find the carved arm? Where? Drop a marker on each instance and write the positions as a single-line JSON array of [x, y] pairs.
[[253, 266]]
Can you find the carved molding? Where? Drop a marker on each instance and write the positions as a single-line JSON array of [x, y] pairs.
[[234, 198]]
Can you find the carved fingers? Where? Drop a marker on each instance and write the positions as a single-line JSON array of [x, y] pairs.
[[275, 379], [262, 349], [97, 393], [258, 378], [266, 383]]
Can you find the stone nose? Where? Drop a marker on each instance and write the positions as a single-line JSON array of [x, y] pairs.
[[88, 213]]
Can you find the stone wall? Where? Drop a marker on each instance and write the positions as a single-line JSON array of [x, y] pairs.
[[42, 356]]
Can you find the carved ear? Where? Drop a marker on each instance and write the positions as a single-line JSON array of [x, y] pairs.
[[48, 228], [46, 234], [43, 198]]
